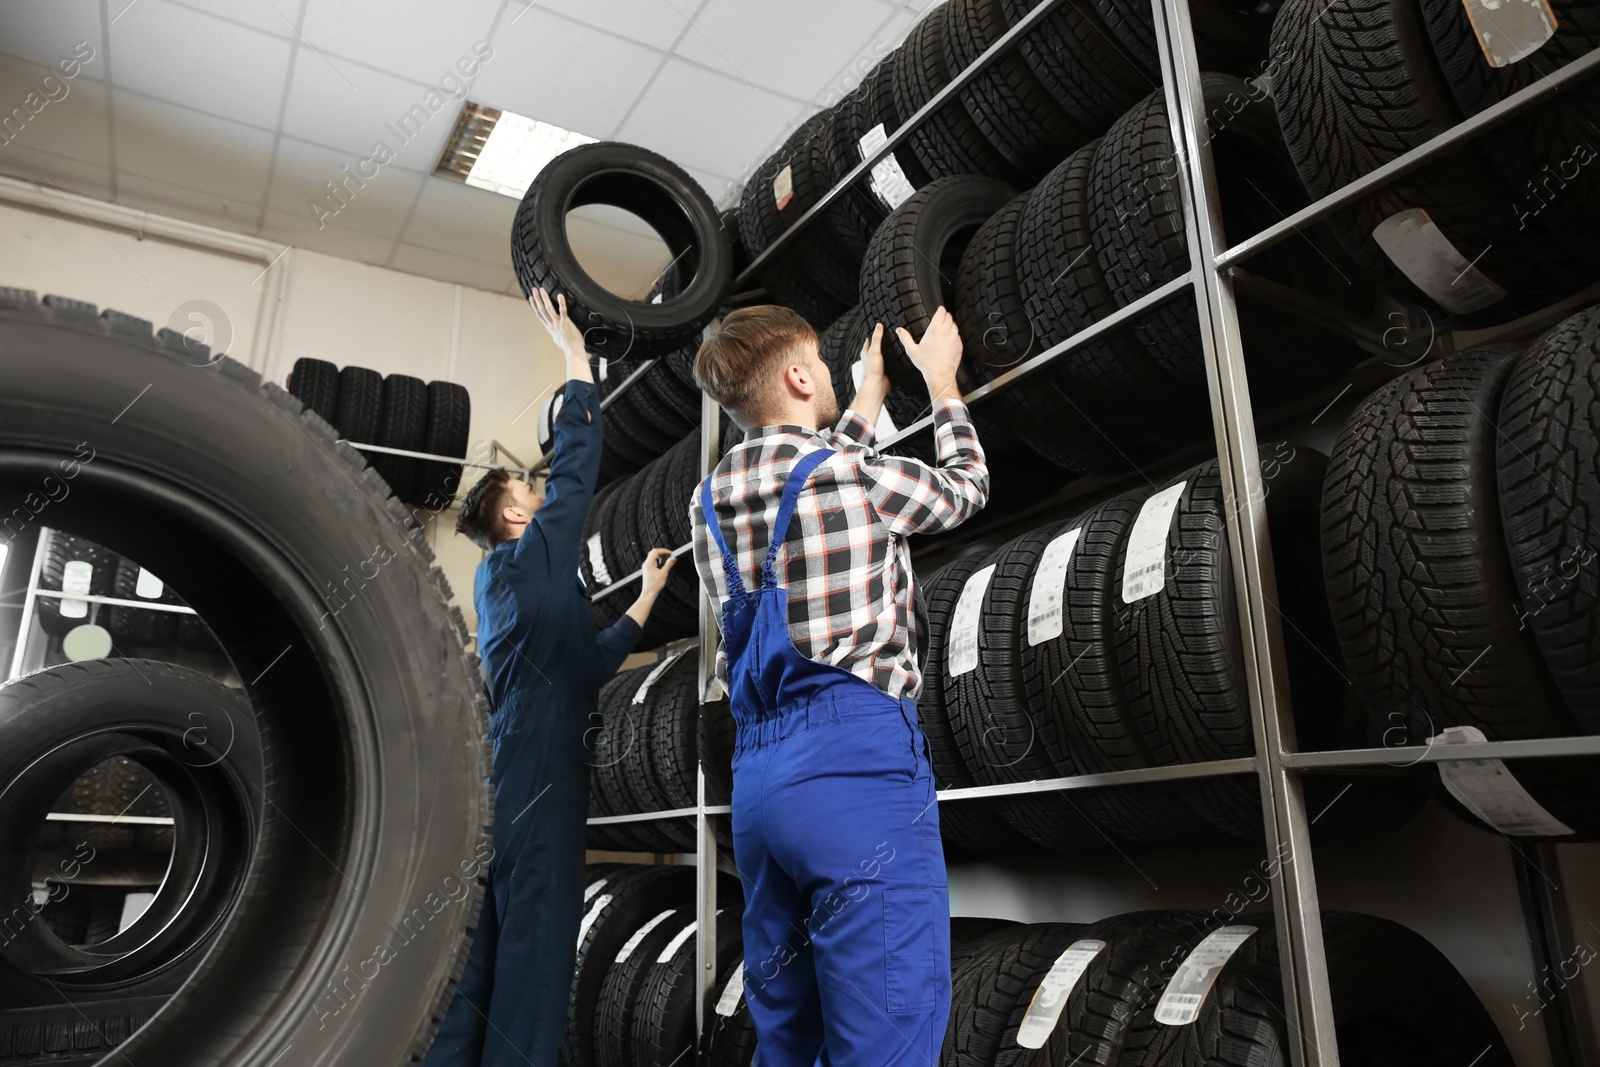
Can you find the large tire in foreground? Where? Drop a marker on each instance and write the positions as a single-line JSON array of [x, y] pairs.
[[368, 705], [665, 196]]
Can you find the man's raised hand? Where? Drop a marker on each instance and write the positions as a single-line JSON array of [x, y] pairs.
[[563, 331], [937, 355]]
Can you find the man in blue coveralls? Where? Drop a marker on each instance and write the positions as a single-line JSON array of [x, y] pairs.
[[799, 537], [544, 665]]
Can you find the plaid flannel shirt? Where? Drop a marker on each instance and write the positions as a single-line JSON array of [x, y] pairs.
[[844, 561]]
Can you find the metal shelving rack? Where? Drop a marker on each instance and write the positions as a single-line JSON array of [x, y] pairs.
[[1215, 271]]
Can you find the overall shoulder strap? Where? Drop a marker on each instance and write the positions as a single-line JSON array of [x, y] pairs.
[[798, 476], [730, 566]]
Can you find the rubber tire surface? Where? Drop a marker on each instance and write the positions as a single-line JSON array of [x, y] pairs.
[[191, 481], [948, 142], [315, 383], [1416, 563], [1080, 64], [658, 191], [448, 433], [360, 404], [404, 424]]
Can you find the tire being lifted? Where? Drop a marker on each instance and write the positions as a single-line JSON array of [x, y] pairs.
[[371, 813], [666, 197]]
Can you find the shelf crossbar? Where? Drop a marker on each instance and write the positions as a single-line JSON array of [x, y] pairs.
[[1548, 85]]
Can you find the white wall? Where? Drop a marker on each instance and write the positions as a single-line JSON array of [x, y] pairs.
[[331, 309]]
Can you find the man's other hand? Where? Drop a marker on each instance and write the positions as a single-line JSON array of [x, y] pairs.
[[937, 355]]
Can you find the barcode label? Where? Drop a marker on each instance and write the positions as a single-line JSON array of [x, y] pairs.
[[597, 560], [1144, 571], [783, 188], [888, 180], [962, 634], [650, 679], [728, 1003], [1191, 984], [1045, 599], [1044, 1011]]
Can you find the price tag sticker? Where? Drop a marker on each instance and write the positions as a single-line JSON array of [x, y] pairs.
[[597, 559], [1144, 573], [1180, 1003], [783, 187], [1510, 30], [677, 939], [963, 631], [592, 914], [75, 578], [148, 585], [732, 993], [889, 182], [1414, 243], [1488, 789], [1044, 1011], [638, 935], [650, 679], [1046, 599]]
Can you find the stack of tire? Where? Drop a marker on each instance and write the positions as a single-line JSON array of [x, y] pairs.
[[97, 570], [658, 409], [393, 411], [1024, 271], [1061, 86], [629, 517], [635, 983], [1392, 990], [1520, 204], [1111, 642], [649, 736], [1462, 556]]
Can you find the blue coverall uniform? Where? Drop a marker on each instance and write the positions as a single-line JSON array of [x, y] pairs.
[[544, 664], [836, 837]]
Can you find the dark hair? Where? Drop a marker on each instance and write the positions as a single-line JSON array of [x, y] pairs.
[[735, 365], [480, 509]]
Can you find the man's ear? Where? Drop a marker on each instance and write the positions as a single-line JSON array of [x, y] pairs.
[[800, 380]]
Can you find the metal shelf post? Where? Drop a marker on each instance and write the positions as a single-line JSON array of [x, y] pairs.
[[1308, 1006]]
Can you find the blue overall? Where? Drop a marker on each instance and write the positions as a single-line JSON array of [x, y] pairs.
[[836, 836], [544, 665]]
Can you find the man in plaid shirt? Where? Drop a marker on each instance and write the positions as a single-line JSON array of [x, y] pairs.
[[836, 833]]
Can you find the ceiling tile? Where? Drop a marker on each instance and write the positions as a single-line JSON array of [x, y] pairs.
[[463, 221], [165, 198], [345, 106], [171, 143], [270, 16], [301, 231], [377, 205], [779, 45], [56, 172], [51, 32], [657, 23], [556, 70], [211, 76], [74, 123], [447, 268], [729, 123], [416, 38], [622, 262]]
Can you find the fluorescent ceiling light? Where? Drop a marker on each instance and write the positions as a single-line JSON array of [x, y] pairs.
[[502, 151]]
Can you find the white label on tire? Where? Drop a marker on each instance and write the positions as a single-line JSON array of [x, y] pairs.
[[593, 914], [1491, 792], [677, 939], [888, 180], [650, 679], [75, 578], [597, 560], [1180, 1003], [638, 935], [1510, 30], [962, 634], [594, 887], [1425, 255], [783, 188], [547, 417], [1145, 571], [885, 427], [1044, 1010], [1045, 616], [732, 993], [148, 585]]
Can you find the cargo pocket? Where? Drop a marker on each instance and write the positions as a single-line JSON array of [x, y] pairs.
[[909, 949]]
